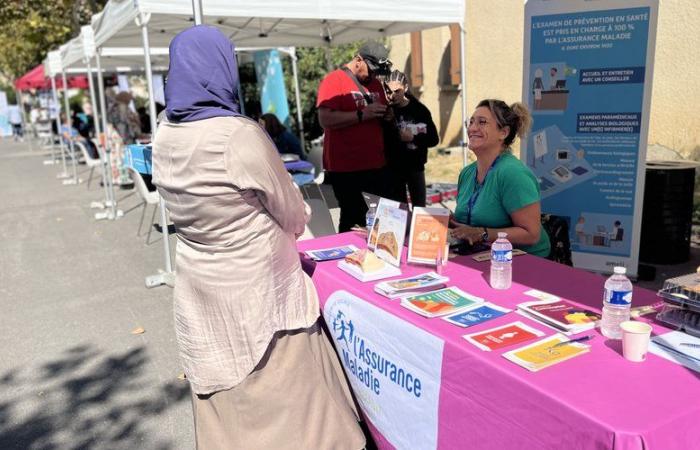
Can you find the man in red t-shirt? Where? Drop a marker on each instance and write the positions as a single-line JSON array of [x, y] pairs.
[[351, 106]]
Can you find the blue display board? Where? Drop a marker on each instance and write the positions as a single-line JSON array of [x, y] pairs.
[[587, 81]]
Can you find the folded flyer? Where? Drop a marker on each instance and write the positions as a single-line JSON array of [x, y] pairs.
[[441, 302], [425, 282], [543, 353], [503, 336], [384, 205], [561, 314], [476, 315], [428, 237], [332, 253], [391, 234]]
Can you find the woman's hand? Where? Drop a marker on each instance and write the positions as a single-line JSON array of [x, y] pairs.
[[465, 232]]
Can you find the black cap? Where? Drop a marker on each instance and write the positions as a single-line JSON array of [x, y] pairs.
[[377, 58]]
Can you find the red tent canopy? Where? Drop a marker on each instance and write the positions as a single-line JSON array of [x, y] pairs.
[[35, 79]]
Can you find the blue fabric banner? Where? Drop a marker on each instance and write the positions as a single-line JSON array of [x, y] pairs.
[[273, 96]]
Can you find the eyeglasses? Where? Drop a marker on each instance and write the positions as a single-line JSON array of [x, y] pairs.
[[480, 123]]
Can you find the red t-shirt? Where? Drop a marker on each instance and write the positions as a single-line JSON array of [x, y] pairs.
[[359, 146]]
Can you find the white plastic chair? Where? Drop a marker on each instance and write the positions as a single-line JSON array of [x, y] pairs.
[[315, 157], [89, 160], [147, 198]]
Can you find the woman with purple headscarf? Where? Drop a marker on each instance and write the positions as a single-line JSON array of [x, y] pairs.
[[263, 374]]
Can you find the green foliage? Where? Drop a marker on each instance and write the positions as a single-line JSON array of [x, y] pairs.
[[313, 64], [30, 28]]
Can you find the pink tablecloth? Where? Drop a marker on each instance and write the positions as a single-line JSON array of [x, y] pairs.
[[597, 400]]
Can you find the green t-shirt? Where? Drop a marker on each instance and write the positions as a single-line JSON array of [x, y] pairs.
[[509, 186]]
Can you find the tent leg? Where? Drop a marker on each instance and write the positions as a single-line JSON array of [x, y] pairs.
[[96, 121], [463, 74], [74, 179], [166, 277], [63, 174], [297, 94], [113, 212]]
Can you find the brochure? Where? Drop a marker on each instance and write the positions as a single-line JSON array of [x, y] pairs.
[[476, 315], [425, 282], [503, 336], [543, 353], [561, 314], [384, 204], [440, 303], [391, 234], [329, 254], [428, 234], [677, 347]]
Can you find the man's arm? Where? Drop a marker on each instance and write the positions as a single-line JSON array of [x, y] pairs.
[[332, 119]]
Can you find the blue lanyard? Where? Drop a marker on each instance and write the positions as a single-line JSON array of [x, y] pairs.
[[477, 190]]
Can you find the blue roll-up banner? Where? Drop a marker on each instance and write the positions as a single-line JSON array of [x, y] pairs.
[[273, 96], [588, 67]]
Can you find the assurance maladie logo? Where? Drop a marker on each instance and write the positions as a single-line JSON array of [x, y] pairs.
[[368, 364]]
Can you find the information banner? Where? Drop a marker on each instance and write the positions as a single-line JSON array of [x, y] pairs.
[[393, 366], [587, 78]]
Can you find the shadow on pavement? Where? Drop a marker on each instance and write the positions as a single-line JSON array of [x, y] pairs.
[[85, 399]]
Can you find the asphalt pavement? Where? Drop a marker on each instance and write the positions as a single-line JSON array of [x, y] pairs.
[[72, 374]]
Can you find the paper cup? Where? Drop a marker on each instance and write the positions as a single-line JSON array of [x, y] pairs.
[[635, 340]]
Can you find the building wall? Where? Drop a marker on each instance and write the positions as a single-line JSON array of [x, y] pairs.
[[494, 59]]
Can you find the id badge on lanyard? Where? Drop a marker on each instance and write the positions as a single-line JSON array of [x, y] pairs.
[[477, 190]]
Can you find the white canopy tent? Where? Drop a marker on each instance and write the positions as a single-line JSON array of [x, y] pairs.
[[270, 23]]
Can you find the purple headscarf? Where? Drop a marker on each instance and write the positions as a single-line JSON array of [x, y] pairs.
[[203, 76]]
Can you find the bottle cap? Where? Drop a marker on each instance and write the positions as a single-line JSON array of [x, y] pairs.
[[619, 270], [502, 235]]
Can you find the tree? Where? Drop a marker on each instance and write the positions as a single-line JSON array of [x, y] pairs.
[[31, 28]]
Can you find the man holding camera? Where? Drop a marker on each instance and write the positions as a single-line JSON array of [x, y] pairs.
[[351, 106]]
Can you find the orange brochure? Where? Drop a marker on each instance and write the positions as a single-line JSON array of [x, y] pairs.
[[428, 235]]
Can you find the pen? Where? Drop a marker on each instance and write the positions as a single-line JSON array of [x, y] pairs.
[[581, 339], [688, 344]]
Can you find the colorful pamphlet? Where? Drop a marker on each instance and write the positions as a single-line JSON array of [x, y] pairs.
[[428, 235], [541, 295], [416, 284], [329, 254], [546, 352], [503, 336], [476, 315], [561, 314], [391, 234], [440, 303], [379, 217], [486, 256]]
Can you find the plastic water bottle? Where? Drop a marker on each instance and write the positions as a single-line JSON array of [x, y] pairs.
[[501, 263], [617, 300], [369, 217]]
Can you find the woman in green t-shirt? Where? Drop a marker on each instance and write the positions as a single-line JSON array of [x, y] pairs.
[[498, 193]]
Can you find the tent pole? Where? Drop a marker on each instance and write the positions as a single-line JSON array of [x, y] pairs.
[[239, 87], [66, 106], [113, 212], [463, 74], [167, 277], [96, 122], [300, 122], [197, 12], [63, 174]]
